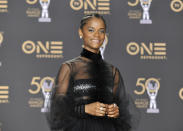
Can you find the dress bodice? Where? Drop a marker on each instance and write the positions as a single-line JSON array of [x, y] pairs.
[[84, 87], [84, 91]]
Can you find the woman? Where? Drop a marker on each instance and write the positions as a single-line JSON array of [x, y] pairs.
[[89, 94]]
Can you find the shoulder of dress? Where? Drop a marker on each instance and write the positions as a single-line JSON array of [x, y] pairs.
[[76, 59], [113, 68], [110, 65]]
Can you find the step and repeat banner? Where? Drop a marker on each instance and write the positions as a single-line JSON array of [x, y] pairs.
[[144, 40]]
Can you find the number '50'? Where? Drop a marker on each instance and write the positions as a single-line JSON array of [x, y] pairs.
[[37, 82], [142, 83]]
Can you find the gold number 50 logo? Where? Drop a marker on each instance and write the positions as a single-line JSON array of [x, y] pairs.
[[142, 85], [37, 82]]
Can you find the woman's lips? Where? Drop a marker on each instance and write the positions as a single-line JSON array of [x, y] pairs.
[[95, 40]]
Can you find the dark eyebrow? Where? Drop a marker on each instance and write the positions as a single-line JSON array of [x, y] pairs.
[[93, 27], [90, 27]]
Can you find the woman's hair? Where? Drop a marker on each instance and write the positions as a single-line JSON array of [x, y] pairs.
[[85, 19]]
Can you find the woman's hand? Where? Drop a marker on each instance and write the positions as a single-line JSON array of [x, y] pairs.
[[96, 109], [113, 110]]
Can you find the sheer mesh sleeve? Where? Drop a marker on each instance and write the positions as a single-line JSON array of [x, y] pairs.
[[61, 111], [62, 80], [128, 114]]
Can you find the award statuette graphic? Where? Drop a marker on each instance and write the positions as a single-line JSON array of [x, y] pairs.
[[46, 90], [152, 87], [44, 14], [145, 4]]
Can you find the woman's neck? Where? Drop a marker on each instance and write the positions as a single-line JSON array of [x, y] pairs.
[[91, 55], [92, 50]]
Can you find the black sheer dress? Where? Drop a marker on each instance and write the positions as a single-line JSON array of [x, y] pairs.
[[83, 80]]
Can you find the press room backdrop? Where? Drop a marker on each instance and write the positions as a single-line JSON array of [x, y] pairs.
[[144, 40]]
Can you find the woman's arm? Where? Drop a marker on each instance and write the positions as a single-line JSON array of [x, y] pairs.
[[122, 100], [129, 115], [61, 113]]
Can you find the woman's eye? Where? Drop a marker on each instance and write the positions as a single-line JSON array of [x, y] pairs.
[[102, 31], [90, 30]]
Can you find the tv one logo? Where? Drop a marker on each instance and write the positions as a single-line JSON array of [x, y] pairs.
[[176, 5], [48, 49], [147, 51], [4, 94], [91, 6], [3, 6]]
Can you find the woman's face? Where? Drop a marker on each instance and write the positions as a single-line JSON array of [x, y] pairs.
[[93, 34]]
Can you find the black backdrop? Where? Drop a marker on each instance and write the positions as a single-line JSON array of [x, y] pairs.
[[32, 51]]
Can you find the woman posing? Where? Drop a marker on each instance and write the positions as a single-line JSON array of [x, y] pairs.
[[89, 93]]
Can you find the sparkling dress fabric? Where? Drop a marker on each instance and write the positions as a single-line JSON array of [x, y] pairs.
[[83, 80]]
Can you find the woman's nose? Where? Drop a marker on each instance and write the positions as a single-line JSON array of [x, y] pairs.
[[96, 33]]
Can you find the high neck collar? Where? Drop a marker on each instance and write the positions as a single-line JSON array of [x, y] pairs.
[[90, 55]]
